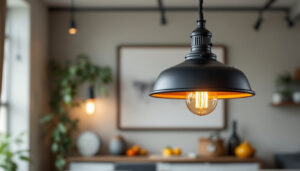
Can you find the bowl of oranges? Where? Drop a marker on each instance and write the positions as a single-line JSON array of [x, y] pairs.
[[136, 150]]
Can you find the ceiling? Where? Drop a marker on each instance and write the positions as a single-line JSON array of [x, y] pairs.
[[168, 3]]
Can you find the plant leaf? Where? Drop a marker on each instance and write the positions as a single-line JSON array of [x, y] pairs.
[[47, 118], [61, 128]]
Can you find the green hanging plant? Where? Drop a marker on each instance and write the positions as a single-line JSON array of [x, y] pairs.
[[8, 157], [66, 81]]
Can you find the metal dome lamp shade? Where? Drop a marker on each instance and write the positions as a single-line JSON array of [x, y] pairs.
[[201, 79]]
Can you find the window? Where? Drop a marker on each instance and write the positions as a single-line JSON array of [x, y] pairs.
[[3, 102]]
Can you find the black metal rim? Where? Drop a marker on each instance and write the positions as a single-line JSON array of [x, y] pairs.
[[208, 90]]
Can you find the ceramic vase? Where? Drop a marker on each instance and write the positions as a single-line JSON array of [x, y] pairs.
[[296, 97], [117, 146]]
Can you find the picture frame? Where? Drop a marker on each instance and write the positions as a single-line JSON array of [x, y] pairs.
[[137, 68]]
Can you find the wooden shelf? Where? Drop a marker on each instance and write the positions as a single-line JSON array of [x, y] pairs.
[[286, 104], [154, 159]]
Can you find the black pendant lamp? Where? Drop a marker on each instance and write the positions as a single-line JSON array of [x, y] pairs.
[[201, 79], [73, 26], [90, 105]]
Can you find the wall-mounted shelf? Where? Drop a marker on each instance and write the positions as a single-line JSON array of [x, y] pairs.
[[286, 104], [153, 159]]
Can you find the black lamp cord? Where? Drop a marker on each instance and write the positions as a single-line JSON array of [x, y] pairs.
[[72, 10], [200, 10], [201, 21]]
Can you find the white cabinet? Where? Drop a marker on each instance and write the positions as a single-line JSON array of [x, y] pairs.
[[90, 166], [208, 167], [86, 166]]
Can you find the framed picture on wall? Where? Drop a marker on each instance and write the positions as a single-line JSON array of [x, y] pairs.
[[138, 67]]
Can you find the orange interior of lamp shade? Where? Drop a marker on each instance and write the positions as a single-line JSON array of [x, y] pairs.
[[220, 95]]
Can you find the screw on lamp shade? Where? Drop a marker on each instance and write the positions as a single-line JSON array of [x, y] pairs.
[[90, 93]]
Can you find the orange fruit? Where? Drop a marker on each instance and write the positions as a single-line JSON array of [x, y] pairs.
[[176, 151], [131, 153], [167, 151], [245, 150], [136, 148], [143, 152]]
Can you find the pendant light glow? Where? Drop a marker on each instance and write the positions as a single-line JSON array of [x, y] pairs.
[[90, 105], [73, 27], [201, 80]]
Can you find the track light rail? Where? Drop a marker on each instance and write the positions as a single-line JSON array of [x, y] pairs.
[[167, 9]]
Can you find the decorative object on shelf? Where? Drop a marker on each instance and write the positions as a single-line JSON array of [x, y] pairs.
[[283, 85], [287, 90], [201, 80], [212, 146], [296, 97], [277, 98], [192, 155], [90, 106], [8, 157], [136, 150], [169, 151], [117, 146], [234, 140], [245, 150], [66, 81], [283, 89], [73, 26], [88, 143], [137, 70]]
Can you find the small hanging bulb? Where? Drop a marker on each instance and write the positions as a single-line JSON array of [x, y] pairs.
[[90, 105], [72, 29]]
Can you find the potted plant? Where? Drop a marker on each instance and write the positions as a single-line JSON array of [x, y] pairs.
[[8, 157], [283, 88]]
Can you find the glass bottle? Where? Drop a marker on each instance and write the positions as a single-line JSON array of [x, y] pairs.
[[234, 139]]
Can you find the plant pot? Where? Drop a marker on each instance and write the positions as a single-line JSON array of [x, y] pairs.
[[296, 97], [277, 98]]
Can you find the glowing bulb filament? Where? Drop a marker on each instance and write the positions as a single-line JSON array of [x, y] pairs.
[[201, 99], [201, 102], [90, 107]]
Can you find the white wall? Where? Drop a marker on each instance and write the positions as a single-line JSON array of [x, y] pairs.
[[261, 55]]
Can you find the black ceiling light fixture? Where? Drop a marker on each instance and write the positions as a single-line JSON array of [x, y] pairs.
[[163, 20], [73, 27], [261, 11], [201, 79]]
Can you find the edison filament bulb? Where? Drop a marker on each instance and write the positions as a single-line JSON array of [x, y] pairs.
[[90, 107], [201, 102]]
